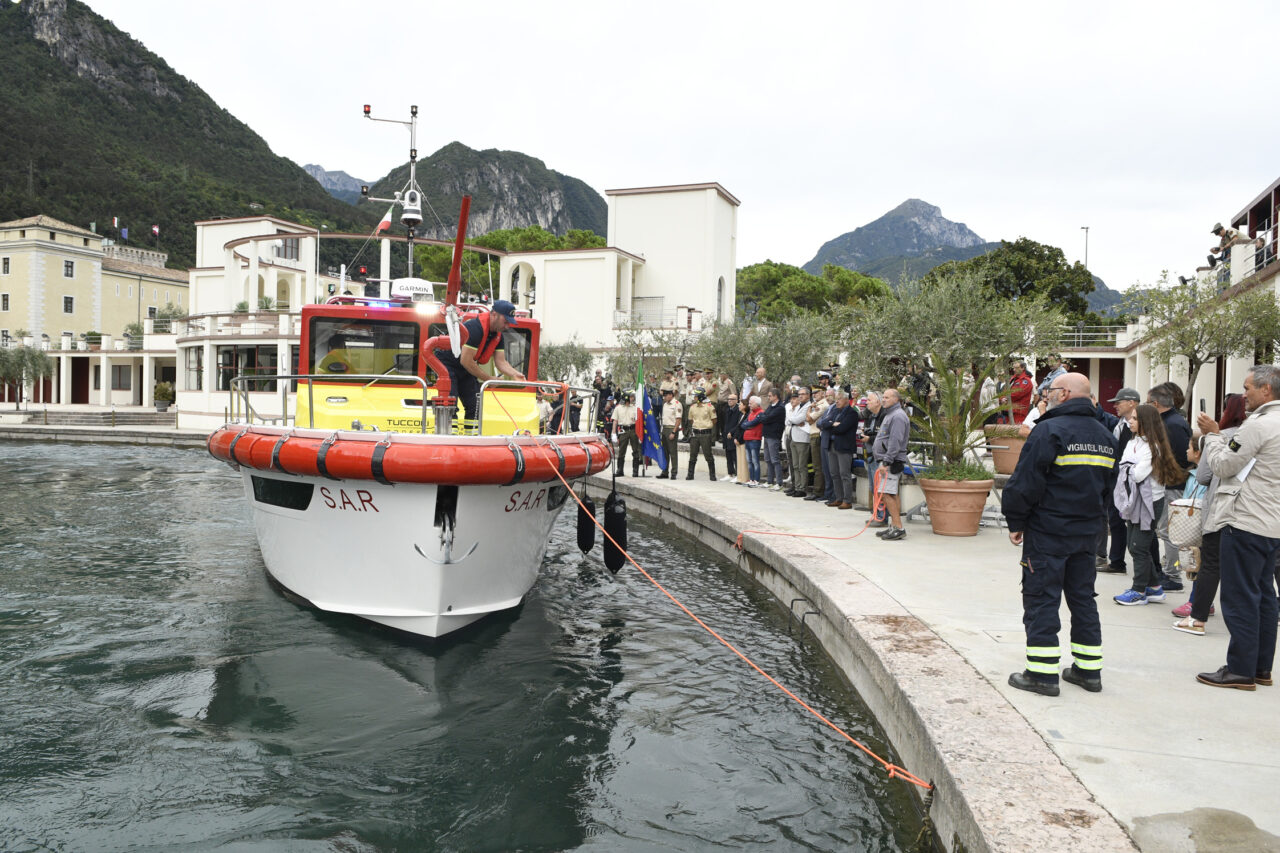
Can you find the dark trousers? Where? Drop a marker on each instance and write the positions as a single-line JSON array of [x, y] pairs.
[[672, 449], [818, 461], [1145, 551], [1051, 569], [1249, 599], [627, 438], [465, 387], [828, 480], [1119, 532], [701, 443], [1207, 575], [730, 456]]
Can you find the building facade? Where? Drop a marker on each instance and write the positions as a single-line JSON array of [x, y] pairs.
[[75, 293]]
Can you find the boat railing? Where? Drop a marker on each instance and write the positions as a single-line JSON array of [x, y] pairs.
[[568, 394], [242, 385]]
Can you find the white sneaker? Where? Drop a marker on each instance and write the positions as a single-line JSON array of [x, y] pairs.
[[752, 484], [775, 488], [726, 478]]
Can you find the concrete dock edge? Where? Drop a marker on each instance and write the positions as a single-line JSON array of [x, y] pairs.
[[999, 787]]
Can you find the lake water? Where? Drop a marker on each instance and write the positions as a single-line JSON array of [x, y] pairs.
[[156, 692]]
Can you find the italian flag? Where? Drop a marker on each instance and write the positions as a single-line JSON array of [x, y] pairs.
[[385, 224], [642, 402]]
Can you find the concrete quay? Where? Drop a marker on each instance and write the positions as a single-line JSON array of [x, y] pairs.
[[168, 436], [928, 628]]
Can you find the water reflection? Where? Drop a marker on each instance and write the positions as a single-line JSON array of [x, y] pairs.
[[157, 693]]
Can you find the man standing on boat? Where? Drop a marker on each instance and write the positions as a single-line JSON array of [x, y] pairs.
[[481, 343]]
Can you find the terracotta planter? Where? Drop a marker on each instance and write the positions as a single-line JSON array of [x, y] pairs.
[[955, 506], [1005, 460]]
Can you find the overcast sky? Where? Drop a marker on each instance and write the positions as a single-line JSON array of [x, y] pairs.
[[1146, 122]]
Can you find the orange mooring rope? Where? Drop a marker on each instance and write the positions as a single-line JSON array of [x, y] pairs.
[[893, 770], [877, 501]]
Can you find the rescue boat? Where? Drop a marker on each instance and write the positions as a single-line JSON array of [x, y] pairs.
[[379, 499]]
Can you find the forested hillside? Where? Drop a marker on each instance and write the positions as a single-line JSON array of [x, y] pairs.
[[96, 126]]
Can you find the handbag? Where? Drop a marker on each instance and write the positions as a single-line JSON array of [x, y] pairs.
[[1186, 516]]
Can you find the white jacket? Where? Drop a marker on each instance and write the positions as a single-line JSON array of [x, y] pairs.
[[1254, 504]]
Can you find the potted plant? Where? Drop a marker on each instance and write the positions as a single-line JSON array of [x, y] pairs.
[[1006, 446], [955, 484], [163, 396]]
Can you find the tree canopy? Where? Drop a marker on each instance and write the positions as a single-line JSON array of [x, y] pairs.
[[1193, 320], [800, 342], [781, 289], [566, 362], [956, 318], [1027, 268]]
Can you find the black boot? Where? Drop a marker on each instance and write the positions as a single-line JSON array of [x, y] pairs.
[[689, 476], [662, 476], [635, 469], [713, 471], [618, 472]]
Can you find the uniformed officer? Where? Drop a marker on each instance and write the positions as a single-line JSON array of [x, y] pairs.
[[624, 424], [672, 414], [702, 420], [668, 381], [1055, 503]]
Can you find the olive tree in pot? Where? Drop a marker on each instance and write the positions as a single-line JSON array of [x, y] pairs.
[[967, 331], [956, 483]]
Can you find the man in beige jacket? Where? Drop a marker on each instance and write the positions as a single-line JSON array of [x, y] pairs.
[[1247, 511]]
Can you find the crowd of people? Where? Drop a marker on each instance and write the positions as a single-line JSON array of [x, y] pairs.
[[1103, 510], [1087, 476]]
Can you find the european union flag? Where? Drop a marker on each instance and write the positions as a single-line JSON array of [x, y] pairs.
[[651, 441]]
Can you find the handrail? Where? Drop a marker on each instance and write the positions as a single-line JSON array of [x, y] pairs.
[[544, 385], [241, 394]]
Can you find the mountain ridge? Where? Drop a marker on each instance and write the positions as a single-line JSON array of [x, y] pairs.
[[913, 238]]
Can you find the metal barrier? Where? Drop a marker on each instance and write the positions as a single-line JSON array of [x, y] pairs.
[[240, 394], [564, 388]]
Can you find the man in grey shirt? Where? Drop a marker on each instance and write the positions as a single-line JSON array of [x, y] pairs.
[[891, 454]]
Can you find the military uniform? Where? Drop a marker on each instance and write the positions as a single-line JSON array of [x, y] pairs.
[[1057, 498], [702, 420], [624, 422], [672, 414]]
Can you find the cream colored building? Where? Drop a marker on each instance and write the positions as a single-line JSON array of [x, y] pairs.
[[670, 263], [73, 292]]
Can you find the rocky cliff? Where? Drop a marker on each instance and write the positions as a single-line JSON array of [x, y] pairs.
[[912, 228], [340, 185], [508, 190]]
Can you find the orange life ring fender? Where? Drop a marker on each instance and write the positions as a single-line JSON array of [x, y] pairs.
[[458, 464]]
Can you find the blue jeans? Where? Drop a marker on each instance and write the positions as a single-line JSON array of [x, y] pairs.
[[1248, 592], [753, 460], [772, 452]]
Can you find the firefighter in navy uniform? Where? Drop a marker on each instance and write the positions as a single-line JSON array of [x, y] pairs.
[[1055, 503]]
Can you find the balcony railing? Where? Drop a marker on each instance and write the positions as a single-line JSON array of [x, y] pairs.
[[257, 324], [1090, 336]]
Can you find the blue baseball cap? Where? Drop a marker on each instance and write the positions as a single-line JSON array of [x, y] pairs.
[[507, 310]]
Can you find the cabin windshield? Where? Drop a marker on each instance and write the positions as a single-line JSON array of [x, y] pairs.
[[341, 346]]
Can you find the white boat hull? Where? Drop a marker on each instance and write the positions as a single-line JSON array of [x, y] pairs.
[[415, 557]]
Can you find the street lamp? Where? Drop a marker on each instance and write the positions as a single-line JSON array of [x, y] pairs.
[[1085, 229]]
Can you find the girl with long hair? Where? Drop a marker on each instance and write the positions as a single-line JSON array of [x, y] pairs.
[[1147, 468]]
